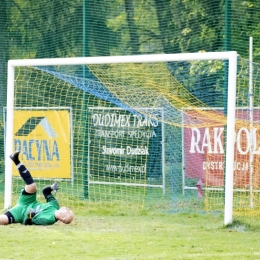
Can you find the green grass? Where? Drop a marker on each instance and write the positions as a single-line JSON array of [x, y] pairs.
[[105, 230], [110, 233]]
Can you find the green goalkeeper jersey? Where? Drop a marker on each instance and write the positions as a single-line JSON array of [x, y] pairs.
[[45, 212]]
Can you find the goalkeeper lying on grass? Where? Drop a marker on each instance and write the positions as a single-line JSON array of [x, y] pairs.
[[28, 210]]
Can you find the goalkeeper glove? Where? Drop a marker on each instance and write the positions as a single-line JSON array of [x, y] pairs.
[[55, 187], [31, 213]]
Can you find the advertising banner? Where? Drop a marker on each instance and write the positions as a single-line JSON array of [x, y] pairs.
[[125, 145], [44, 139], [204, 150]]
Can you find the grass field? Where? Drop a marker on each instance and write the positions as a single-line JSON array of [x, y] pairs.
[[109, 233]]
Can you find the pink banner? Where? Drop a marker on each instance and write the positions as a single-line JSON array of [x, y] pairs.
[[204, 149]]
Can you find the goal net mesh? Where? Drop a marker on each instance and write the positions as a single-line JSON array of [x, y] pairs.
[[139, 135]]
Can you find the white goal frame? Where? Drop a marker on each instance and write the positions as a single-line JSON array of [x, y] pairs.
[[232, 71]]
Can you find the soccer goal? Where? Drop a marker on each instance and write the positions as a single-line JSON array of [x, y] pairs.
[[127, 124]]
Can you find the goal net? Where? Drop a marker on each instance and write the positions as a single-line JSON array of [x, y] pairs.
[[127, 130]]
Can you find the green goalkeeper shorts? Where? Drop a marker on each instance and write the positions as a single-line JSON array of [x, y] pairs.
[[19, 211]]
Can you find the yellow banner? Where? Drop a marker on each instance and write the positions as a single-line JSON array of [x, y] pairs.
[[43, 137]]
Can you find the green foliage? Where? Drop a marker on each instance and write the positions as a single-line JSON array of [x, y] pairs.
[[120, 27], [125, 27]]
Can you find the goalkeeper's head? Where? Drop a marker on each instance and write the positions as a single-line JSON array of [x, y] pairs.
[[64, 215]]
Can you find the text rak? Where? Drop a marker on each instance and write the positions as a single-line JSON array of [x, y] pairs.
[[119, 120], [128, 150], [210, 141], [43, 149]]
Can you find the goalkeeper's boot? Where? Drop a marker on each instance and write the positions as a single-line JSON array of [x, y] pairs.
[[15, 157]]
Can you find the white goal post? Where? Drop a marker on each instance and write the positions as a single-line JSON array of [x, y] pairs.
[[231, 57]]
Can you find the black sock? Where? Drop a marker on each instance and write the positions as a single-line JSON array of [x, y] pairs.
[[25, 174]]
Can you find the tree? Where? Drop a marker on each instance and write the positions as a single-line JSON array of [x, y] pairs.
[[46, 28], [133, 33]]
